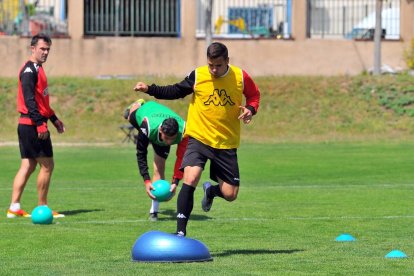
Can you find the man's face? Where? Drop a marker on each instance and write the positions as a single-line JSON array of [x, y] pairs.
[[217, 66], [169, 140], [40, 51]]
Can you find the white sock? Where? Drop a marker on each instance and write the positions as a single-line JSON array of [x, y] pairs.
[[15, 206], [154, 207]]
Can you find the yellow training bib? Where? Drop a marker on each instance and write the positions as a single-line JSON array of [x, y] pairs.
[[214, 108]]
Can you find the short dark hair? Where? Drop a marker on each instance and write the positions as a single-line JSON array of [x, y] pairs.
[[40, 36], [169, 127], [216, 50]]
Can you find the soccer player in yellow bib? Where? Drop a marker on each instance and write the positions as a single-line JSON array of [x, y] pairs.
[[213, 127]]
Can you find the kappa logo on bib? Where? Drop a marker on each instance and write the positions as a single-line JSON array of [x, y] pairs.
[[219, 97]]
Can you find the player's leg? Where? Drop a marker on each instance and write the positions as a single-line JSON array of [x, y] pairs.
[[160, 156], [226, 190], [29, 150], [47, 165], [44, 158], [194, 160], [26, 169], [43, 179], [158, 167], [224, 169], [185, 199]]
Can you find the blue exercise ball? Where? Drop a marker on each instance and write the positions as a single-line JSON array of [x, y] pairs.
[[42, 215], [157, 246]]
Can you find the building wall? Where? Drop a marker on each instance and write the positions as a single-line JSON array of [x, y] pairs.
[[79, 56]]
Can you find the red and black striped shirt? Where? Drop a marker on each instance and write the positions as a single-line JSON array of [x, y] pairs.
[[33, 96]]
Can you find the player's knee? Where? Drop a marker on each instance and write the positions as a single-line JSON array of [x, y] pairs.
[[190, 180], [31, 168], [230, 196], [47, 166], [28, 168]]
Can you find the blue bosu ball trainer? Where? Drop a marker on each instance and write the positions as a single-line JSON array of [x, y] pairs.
[[42, 215], [161, 190], [157, 246]]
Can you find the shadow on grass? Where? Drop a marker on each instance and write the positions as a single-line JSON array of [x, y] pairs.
[[255, 252], [172, 215], [80, 211]]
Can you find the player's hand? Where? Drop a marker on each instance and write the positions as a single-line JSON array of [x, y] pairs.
[[246, 115], [42, 131], [174, 185], [172, 190], [148, 188], [141, 87], [59, 126]]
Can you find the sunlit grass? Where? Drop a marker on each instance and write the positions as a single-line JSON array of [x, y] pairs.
[[294, 200]]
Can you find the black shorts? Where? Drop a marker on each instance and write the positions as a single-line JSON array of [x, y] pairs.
[[162, 151], [223, 162], [32, 147]]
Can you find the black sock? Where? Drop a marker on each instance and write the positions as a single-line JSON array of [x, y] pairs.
[[185, 203], [214, 191]]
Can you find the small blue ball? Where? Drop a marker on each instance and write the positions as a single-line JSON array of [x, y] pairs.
[[42, 215]]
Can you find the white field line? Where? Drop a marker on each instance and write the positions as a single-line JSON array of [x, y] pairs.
[[56, 188], [65, 144], [113, 222], [328, 186], [317, 218], [269, 187]]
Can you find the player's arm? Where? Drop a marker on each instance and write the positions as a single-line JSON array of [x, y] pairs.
[[142, 153], [252, 94], [60, 127], [169, 92]]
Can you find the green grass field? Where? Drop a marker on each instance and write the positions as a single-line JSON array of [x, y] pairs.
[[295, 199]]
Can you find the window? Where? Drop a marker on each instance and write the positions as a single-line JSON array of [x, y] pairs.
[[28, 18], [132, 17], [352, 19], [246, 19]]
